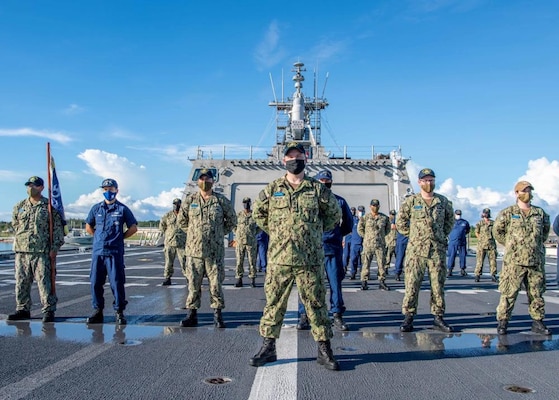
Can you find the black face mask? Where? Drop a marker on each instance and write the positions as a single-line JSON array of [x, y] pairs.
[[247, 206], [177, 207], [295, 166], [328, 184]]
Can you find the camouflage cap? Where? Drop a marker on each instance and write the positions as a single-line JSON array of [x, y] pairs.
[[375, 202], [177, 201], [293, 145], [35, 180], [246, 200], [207, 172], [486, 211], [324, 174], [361, 208], [426, 172], [109, 183], [520, 186]]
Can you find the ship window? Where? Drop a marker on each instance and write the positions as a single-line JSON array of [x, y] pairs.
[[196, 174]]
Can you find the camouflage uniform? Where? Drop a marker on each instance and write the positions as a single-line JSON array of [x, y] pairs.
[[523, 236], [373, 229], [31, 245], [295, 220], [390, 240], [245, 237], [486, 246], [206, 222], [175, 242], [427, 227]]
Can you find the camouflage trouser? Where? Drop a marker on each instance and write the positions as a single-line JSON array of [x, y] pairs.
[[390, 252], [480, 257], [414, 270], [251, 251], [27, 267], [312, 292], [366, 260], [509, 285], [170, 253], [214, 270]]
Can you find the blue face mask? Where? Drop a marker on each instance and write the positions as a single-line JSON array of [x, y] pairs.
[[109, 196]]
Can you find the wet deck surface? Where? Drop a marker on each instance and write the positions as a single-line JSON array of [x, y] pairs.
[[153, 358]]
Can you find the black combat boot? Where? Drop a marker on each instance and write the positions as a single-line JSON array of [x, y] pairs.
[[407, 325], [96, 317], [119, 318], [19, 315], [218, 319], [166, 282], [192, 319], [494, 278], [399, 277], [253, 282], [440, 324], [364, 285], [239, 282], [477, 278], [383, 286], [48, 316], [539, 327], [339, 322], [352, 277], [326, 357], [266, 354], [303, 323], [502, 327]]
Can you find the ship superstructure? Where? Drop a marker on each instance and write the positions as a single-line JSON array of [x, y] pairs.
[[380, 175]]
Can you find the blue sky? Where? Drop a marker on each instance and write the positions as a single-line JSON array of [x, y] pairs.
[[128, 89]]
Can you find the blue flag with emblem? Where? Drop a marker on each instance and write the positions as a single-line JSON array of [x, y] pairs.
[[56, 197]]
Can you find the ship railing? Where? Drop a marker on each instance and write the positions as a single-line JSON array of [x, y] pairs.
[[234, 152]]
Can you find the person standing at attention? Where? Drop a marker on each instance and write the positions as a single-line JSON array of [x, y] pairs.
[[34, 251], [245, 238], [206, 217], [458, 243], [105, 222], [334, 267], [373, 228], [486, 245], [175, 242], [426, 218], [390, 240], [295, 210], [523, 229]]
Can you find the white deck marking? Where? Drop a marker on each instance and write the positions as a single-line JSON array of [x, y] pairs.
[[278, 380]]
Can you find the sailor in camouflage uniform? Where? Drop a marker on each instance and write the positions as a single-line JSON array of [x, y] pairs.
[[295, 210], [390, 240], [427, 219], [175, 242], [33, 251], [373, 228], [206, 217], [523, 229], [245, 239], [486, 245]]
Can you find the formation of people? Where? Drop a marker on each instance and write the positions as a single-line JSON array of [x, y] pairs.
[[297, 231]]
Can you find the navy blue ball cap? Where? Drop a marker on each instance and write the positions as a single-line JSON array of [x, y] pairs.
[[35, 180], [109, 183], [293, 145], [324, 174], [426, 172]]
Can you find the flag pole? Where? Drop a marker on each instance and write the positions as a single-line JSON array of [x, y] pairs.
[[51, 226]]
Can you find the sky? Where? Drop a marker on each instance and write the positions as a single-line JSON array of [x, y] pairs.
[[127, 89]]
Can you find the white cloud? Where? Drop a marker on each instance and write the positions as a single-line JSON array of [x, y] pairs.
[[268, 52], [23, 132], [73, 109]]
